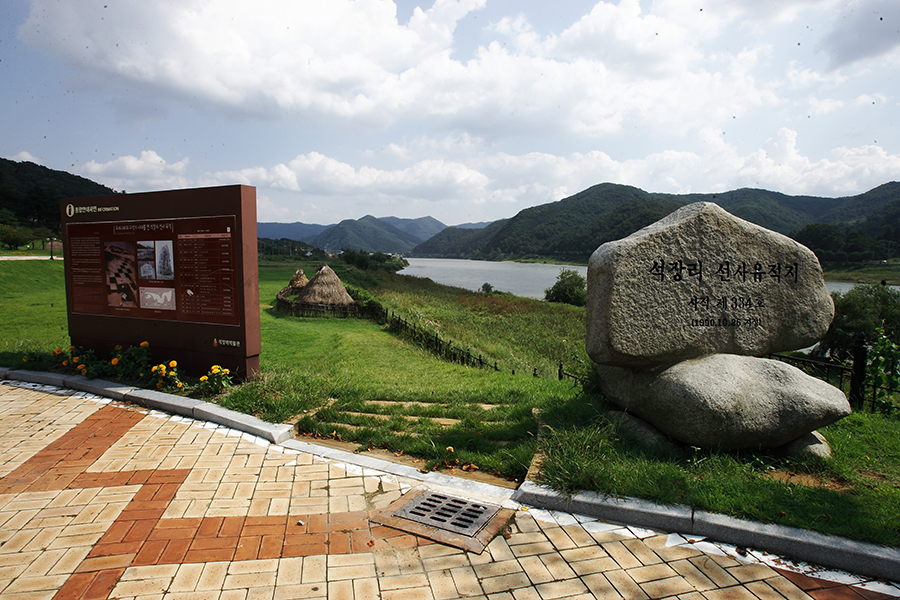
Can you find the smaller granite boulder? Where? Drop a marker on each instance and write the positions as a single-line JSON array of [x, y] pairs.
[[726, 401], [811, 445]]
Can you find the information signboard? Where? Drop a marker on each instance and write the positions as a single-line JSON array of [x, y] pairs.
[[177, 269]]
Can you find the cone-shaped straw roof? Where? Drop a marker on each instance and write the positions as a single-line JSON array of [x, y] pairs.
[[325, 288], [299, 279]]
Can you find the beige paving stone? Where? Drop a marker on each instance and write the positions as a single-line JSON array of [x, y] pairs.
[[600, 586], [494, 569], [651, 573], [314, 569], [143, 587], [249, 580], [352, 572], [34, 584], [442, 586], [407, 594], [149, 572], [711, 569], [642, 552], [466, 581], [751, 572], [504, 583], [532, 549], [559, 538], [787, 589], [397, 582], [737, 592], [499, 549], [290, 571], [526, 594], [692, 575], [673, 553], [309, 590], [366, 589], [578, 535], [621, 554], [535, 569], [186, 578], [533, 537], [213, 576], [663, 588], [437, 550], [763, 591], [557, 566], [625, 585], [450, 561], [340, 590], [561, 589], [42, 565]]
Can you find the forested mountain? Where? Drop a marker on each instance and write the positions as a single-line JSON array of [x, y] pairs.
[[289, 231], [572, 228], [369, 234], [32, 192]]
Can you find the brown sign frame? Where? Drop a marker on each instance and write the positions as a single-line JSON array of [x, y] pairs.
[[177, 269]]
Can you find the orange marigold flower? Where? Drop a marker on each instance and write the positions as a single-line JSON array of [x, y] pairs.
[[75, 359], [58, 351], [173, 364], [145, 344], [115, 361]]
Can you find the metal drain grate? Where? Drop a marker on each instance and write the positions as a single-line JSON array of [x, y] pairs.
[[446, 519], [448, 513]]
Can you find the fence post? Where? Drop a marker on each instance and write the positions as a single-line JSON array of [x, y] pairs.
[[858, 376], [560, 371]]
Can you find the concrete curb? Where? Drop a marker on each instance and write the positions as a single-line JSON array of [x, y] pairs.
[[275, 433], [826, 550]]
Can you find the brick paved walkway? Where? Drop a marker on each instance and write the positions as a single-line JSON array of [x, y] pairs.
[[103, 500]]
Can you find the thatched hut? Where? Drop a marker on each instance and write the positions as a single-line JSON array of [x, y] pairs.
[[323, 295], [325, 288], [297, 283]]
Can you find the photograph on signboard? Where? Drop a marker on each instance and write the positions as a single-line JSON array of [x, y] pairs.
[[165, 268], [158, 298], [121, 274], [146, 254]]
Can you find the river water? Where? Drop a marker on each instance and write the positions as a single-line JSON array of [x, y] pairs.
[[522, 279]]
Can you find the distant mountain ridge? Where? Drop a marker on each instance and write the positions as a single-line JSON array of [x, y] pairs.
[[572, 228], [372, 234]]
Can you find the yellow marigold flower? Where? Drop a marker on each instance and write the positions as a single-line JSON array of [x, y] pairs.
[[204, 378], [173, 364], [215, 369], [118, 347], [180, 384], [145, 344], [226, 371], [158, 384]]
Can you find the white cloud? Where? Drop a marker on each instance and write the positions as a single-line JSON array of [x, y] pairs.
[[354, 62], [24, 156], [866, 28], [149, 171]]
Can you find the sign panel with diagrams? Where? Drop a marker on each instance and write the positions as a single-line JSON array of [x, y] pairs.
[[177, 269]]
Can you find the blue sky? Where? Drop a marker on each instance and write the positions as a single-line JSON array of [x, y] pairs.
[[464, 110]]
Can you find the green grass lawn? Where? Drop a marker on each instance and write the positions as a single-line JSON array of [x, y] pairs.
[[355, 380]]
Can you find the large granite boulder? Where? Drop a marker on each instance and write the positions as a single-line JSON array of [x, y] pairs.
[[726, 401], [698, 282]]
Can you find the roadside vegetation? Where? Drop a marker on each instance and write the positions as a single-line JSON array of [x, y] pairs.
[[356, 381]]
